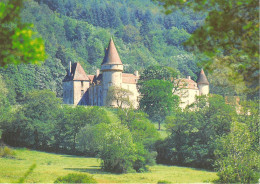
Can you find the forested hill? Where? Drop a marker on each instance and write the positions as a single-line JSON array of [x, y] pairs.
[[80, 31]]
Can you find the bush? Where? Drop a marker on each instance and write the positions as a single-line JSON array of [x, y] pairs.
[[238, 161], [75, 178], [117, 150], [6, 152], [163, 182]]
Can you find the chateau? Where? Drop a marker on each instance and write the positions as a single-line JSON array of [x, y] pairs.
[[82, 89]]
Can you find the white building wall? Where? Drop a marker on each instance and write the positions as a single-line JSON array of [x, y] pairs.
[[133, 89], [111, 78], [187, 96], [204, 89]]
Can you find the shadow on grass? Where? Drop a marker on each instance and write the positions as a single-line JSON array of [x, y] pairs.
[[91, 170], [75, 156]]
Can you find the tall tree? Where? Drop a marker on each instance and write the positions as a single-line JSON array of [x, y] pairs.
[[40, 109], [157, 99], [158, 72]]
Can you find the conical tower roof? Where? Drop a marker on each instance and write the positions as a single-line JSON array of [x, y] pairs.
[[202, 79], [111, 55]]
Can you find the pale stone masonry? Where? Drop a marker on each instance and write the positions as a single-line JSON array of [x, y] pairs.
[[82, 89]]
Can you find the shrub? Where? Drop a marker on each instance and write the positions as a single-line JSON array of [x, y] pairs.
[[6, 152], [75, 178], [117, 150], [238, 161], [163, 182]]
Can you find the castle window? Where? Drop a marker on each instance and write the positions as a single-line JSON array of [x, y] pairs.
[[82, 93], [82, 84]]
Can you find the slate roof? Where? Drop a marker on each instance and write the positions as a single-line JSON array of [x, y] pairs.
[[111, 55], [202, 79], [77, 73], [186, 83], [129, 78]]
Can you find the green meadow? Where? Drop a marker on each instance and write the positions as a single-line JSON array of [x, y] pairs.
[[49, 166]]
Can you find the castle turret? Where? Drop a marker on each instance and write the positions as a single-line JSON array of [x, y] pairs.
[[111, 69], [203, 83]]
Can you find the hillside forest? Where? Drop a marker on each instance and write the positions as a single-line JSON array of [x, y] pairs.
[[214, 133], [80, 31]]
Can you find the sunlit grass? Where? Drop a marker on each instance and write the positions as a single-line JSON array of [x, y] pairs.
[[50, 166]]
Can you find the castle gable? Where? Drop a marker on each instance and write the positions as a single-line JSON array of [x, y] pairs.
[[76, 73]]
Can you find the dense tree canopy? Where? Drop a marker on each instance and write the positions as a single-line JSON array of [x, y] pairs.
[[229, 36], [237, 160], [194, 131]]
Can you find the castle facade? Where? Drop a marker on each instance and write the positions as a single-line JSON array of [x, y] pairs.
[[82, 89]]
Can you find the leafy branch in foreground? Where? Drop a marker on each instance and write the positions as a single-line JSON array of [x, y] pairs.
[[18, 43]]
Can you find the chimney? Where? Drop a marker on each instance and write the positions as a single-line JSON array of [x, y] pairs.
[[97, 73], [188, 77], [136, 73], [70, 68]]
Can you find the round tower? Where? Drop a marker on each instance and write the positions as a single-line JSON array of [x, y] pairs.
[[203, 83], [111, 69]]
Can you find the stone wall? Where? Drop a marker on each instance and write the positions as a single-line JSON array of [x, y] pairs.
[[110, 78], [68, 92], [187, 96], [80, 89], [133, 89]]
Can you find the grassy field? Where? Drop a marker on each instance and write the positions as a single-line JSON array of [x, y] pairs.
[[50, 166]]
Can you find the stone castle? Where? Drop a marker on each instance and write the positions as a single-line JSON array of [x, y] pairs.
[[82, 89]]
